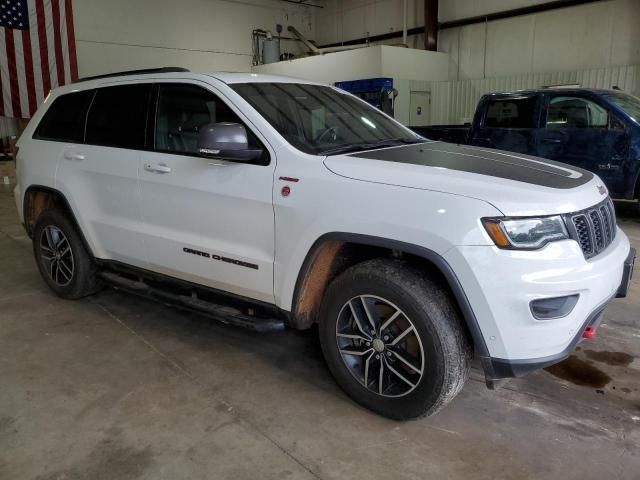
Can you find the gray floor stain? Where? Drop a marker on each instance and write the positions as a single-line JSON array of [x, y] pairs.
[[109, 460]]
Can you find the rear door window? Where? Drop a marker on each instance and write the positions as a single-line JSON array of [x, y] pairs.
[[576, 112], [117, 117], [517, 112], [65, 118]]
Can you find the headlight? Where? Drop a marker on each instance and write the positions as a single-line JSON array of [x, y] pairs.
[[525, 233]]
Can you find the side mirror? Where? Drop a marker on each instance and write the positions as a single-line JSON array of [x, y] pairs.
[[227, 141]]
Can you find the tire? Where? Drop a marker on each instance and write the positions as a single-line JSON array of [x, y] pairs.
[[438, 334], [72, 273]]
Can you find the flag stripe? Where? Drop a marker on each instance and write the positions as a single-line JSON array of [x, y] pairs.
[[28, 68], [64, 41], [5, 87], [57, 41], [1, 96], [71, 38], [21, 74], [44, 51], [37, 53], [13, 72]]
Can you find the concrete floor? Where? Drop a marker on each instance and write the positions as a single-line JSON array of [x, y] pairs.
[[117, 387]]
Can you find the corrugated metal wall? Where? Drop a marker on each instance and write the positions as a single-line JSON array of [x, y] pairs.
[[454, 102]]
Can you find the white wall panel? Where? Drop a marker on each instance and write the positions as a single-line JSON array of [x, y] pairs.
[[203, 35], [598, 34], [450, 10], [454, 102], [573, 38], [342, 20]]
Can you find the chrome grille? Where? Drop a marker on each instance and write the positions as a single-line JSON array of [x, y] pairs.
[[594, 228]]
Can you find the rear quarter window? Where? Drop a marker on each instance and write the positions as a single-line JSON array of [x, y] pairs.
[[511, 113], [65, 118]]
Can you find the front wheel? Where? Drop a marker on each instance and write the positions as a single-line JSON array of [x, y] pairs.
[[393, 339]]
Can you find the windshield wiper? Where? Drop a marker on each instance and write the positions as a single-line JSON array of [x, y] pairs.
[[358, 147]]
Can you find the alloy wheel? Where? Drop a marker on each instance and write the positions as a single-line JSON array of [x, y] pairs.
[[55, 251], [380, 346]]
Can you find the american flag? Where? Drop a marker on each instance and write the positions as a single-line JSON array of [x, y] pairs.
[[37, 53]]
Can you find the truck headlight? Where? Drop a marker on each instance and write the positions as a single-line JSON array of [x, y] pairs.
[[525, 233]]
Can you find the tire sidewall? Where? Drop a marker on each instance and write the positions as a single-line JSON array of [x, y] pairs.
[[419, 400], [81, 260]]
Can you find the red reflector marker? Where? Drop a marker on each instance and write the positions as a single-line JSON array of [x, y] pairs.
[[589, 332]]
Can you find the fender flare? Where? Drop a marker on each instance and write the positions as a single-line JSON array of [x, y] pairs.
[[436, 259], [67, 207]]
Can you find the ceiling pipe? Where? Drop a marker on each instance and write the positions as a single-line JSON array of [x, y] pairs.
[[303, 3], [517, 12], [320, 51], [315, 50], [404, 21]]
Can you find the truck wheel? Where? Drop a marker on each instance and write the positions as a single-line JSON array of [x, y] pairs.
[[62, 258], [393, 339]]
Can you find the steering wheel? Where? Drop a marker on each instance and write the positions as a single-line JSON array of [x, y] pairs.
[[333, 131]]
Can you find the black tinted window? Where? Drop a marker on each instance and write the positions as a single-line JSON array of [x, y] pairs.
[[183, 110], [117, 116], [511, 113], [64, 121], [317, 119]]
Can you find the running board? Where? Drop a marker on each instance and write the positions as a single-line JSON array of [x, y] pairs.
[[221, 313]]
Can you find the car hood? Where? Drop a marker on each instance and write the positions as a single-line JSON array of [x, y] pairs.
[[515, 184]]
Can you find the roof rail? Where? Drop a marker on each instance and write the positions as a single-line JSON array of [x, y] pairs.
[[134, 72]]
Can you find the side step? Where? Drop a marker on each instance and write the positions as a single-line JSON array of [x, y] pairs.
[[221, 313]]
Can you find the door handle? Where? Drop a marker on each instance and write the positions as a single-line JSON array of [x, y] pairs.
[[73, 156], [551, 140], [159, 168]]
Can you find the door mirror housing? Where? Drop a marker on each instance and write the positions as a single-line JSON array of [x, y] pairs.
[[226, 141]]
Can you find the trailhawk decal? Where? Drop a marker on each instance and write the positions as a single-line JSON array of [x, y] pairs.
[[220, 258], [494, 163]]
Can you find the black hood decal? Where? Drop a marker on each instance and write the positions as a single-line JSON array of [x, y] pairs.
[[494, 163]]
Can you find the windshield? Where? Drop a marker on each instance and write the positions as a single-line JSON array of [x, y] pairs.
[[322, 120], [628, 103]]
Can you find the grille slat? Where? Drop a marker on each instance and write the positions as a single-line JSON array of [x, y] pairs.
[[606, 223], [594, 228]]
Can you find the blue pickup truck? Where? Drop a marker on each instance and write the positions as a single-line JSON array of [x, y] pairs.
[[598, 130]]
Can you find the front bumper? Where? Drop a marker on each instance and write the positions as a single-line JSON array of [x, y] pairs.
[[498, 368], [500, 284]]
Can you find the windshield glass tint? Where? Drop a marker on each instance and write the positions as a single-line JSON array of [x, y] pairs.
[[628, 103], [318, 119]]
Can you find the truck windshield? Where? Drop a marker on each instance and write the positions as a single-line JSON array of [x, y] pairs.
[[628, 103], [322, 120]]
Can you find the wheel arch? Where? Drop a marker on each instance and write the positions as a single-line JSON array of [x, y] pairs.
[[39, 198], [334, 252]]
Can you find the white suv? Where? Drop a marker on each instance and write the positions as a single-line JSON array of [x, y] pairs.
[[266, 201]]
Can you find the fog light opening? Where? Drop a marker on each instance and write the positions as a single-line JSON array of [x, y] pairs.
[[552, 308]]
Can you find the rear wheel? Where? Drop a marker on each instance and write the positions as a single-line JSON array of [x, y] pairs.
[[63, 260], [393, 340]]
